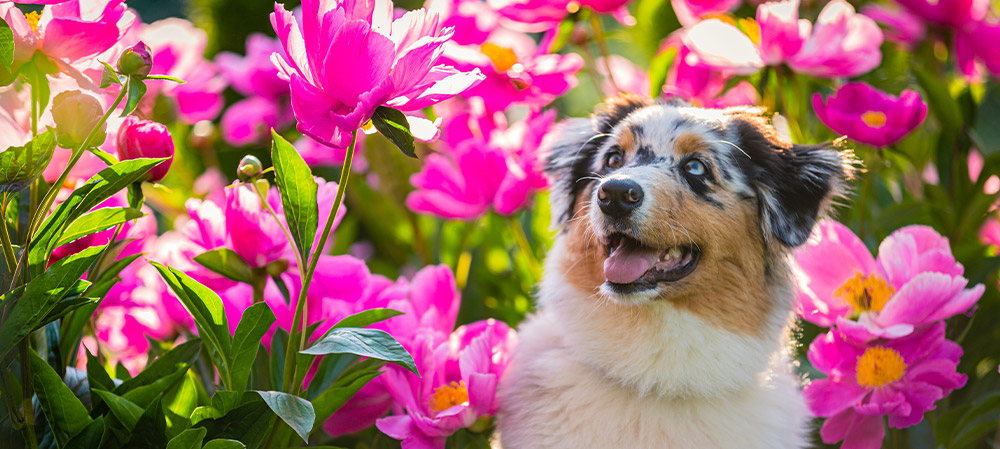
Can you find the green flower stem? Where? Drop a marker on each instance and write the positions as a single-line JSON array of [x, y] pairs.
[[50, 196], [27, 407], [602, 44], [525, 247], [95, 269], [8, 249], [301, 320]]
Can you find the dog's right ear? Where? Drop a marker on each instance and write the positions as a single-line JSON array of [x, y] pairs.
[[577, 141]]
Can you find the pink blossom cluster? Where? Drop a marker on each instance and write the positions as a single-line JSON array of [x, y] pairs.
[[885, 353]]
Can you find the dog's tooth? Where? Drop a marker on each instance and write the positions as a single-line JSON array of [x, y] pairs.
[[674, 252]]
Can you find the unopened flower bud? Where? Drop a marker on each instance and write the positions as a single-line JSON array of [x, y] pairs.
[[139, 138], [137, 60], [75, 114], [250, 168]]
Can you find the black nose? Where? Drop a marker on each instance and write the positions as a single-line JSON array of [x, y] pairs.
[[618, 197]]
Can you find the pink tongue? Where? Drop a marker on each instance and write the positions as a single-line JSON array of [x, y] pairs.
[[627, 263]]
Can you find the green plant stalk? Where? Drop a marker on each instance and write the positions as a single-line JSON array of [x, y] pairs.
[[299, 323], [50, 196], [8, 249], [525, 247], [27, 407], [602, 45], [94, 270]]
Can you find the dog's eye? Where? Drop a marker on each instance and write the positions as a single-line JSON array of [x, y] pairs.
[[695, 167], [615, 160]]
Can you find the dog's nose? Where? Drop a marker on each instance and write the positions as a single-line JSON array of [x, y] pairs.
[[618, 197]]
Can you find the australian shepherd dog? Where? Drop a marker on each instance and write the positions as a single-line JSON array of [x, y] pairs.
[[667, 299]]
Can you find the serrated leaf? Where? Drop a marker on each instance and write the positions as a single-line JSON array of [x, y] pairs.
[[228, 263], [19, 166], [209, 316], [96, 221], [298, 193], [136, 90], [392, 124], [41, 295], [65, 413], [372, 343], [188, 439], [296, 412], [6, 46], [256, 320], [366, 318]]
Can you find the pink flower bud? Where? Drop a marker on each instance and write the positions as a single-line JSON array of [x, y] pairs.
[[136, 60], [75, 114], [139, 138]]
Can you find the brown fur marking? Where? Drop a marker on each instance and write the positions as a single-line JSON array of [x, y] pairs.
[[690, 143]]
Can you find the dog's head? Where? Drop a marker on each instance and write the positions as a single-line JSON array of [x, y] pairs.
[[664, 201]]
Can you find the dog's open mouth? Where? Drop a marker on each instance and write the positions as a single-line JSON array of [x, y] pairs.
[[633, 266]]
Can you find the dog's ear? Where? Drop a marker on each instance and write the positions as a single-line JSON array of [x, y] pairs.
[[576, 142], [794, 183]]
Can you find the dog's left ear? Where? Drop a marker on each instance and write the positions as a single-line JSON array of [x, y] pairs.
[[794, 183]]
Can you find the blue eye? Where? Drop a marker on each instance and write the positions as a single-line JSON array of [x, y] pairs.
[[695, 167]]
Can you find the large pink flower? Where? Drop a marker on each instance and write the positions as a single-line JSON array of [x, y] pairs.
[[457, 387], [953, 13], [842, 44], [915, 282], [497, 169], [345, 59], [543, 15], [704, 86], [67, 32], [869, 115], [267, 104], [900, 378], [900, 25], [689, 12]]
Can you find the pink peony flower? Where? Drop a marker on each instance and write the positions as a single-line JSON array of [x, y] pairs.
[[974, 48], [473, 20], [689, 12], [139, 138], [347, 59], [702, 85], [516, 70], [267, 104], [177, 51], [627, 76], [901, 26], [457, 387], [989, 234], [869, 115], [900, 378], [914, 282], [842, 44], [953, 13], [67, 32], [430, 305], [499, 168]]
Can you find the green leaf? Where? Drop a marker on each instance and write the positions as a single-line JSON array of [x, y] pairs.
[[164, 372], [127, 412], [293, 410], [224, 444], [90, 436], [110, 76], [942, 105], [166, 78], [19, 166], [393, 125], [367, 318], [188, 439], [248, 423], [96, 221], [256, 320], [331, 400], [563, 34], [41, 295], [151, 430], [659, 68], [209, 316], [136, 90], [298, 194], [6, 46], [65, 413], [179, 401], [372, 343], [227, 263], [97, 376], [72, 299], [104, 156], [986, 133], [279, 341]]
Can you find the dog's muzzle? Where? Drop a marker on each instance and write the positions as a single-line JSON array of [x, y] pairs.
[[619, 197]]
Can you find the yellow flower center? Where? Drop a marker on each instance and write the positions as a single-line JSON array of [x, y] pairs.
[[503, 58], [32, 18], [572, 7], [879, 366], [750, 28], [448, 396], [865, 293], [875, 119]]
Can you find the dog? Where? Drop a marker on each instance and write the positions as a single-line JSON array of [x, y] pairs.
[[666, 301]]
